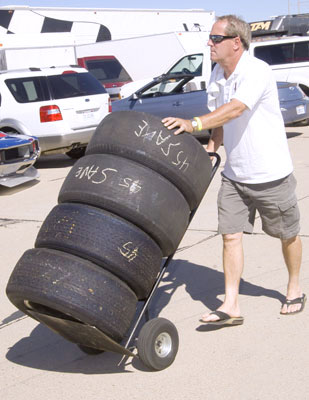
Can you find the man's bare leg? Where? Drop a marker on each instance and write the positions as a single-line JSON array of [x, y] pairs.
[[292, 253], [233, 264]]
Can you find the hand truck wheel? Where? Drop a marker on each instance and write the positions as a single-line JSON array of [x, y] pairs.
[[158, 343]]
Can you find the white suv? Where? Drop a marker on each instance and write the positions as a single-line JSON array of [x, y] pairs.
[[61, 106]]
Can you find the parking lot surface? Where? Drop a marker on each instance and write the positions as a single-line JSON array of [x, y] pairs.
[[264, 359]]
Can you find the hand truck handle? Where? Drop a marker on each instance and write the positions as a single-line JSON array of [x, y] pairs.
[[217, 163]]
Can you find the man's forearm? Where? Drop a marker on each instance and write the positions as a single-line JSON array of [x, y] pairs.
[[216, 139], [212, 120], [223, 114]]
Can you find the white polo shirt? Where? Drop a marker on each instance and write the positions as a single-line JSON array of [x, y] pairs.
[[255, 143]]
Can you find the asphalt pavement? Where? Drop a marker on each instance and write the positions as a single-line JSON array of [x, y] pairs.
[[264, 359]]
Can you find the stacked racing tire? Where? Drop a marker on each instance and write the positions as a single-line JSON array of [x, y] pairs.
[[124, 206]]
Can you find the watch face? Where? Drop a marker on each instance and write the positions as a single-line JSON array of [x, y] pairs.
[[194, 123]]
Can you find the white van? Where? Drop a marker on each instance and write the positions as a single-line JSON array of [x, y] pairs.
[[287, 56]]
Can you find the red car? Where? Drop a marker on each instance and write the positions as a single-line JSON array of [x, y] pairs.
[[109, 71]]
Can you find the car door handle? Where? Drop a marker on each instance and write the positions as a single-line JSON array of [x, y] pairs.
[[177, 104]]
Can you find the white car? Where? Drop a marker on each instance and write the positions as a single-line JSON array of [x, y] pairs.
[[61, 106]]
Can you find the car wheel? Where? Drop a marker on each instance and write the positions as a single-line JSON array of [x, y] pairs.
[[142, 137], [66, 286], [105, 239], [158, 343], [133, 192], [76, 153]]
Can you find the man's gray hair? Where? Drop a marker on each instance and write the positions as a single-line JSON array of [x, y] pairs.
[[237, 27]]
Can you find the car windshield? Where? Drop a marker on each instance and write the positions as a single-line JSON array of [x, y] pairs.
[[74, 85], [168, 86], [191, 64]]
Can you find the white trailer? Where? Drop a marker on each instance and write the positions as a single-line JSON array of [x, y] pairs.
[[36, 40], [89, 25], [36, 57]]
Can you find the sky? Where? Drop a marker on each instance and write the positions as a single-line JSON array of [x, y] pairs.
[[249, 10]]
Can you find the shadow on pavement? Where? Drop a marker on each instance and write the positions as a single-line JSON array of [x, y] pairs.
[[9, 191], [203, 284], [293, 134], [46, 350], [13, 317], [54, 161]]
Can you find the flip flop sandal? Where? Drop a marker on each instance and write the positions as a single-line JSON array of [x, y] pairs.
[[224, 319], [299, 300]]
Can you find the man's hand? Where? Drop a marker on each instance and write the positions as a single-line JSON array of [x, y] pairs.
[[184, 125]]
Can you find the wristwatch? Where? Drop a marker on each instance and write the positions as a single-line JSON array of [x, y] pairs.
[[194, 125]]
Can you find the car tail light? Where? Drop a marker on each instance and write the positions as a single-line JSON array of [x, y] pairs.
[[109, 105], [50, 114], [35, 146]]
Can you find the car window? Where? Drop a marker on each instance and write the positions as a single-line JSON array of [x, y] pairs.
[[301, 51], [29, 89], [74, 85], [108, 70], [192, 64], [284, 53]]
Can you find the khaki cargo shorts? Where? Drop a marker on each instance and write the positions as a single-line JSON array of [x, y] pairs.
[[275, 201]]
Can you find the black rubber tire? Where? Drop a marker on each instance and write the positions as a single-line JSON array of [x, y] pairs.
[[142, 137], [105, 239], [66, 284], [158, 343], [131, 191]]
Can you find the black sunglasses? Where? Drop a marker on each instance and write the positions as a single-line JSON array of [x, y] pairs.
[[220, 38]]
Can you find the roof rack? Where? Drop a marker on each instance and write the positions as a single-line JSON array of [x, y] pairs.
[[283, 25]]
